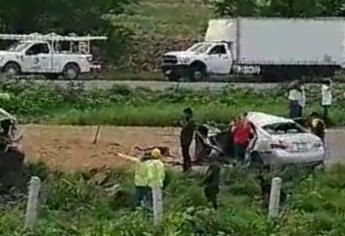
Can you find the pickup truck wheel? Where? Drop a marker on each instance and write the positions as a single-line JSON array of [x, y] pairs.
[[12, 69], [71, 72], [197, 72]]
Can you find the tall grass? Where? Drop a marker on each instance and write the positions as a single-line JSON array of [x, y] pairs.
[[121, 105], [74, 206]]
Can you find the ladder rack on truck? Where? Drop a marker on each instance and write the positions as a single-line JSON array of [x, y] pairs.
[[51, 55]]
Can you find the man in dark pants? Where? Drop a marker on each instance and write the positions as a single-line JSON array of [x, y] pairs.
[[296, 97], [317, 126], [186, 137], [212, 180]]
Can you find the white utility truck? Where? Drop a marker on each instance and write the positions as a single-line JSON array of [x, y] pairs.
[[51, 55], [270, 47]]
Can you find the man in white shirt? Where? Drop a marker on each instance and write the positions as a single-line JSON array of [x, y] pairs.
[[302, 99], [296, 99], [326, 100]]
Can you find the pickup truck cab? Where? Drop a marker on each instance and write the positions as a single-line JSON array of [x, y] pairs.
[[198, 61], [203, 59], [47, 57]]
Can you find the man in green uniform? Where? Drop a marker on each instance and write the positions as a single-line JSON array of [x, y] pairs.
[[143, 191], [186, 137], [212, 181]]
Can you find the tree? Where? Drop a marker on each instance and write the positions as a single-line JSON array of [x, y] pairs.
[[280, 8], [80, 16], [236, 7]]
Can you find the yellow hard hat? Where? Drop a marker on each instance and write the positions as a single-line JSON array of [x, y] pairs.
[[156, 153]]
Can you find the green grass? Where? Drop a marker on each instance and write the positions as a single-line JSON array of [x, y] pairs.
[[120, 105], [73, 206]]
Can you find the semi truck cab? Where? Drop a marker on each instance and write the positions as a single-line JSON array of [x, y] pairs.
[[198, 61]]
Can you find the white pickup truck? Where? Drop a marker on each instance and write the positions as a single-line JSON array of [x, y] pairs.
[[50, 55], [269, 47]]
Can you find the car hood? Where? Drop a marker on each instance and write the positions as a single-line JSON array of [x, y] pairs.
[[3, 53], [180, 54]]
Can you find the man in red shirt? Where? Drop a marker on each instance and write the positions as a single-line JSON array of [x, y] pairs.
[[242, 133]]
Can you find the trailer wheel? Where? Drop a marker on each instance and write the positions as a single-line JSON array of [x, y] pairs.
[[11, 69], [71, 71], [197, 71]]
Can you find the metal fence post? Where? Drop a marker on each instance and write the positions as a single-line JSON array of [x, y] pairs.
[[32, 204], [273, 210], [157, 205]]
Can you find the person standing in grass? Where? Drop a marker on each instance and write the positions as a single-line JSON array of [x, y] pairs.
[[186, 137], [326, 100], [143, 191], [242, 134], [211, 181], [317, 126], [302, 98], [295, 100], [156, 177]]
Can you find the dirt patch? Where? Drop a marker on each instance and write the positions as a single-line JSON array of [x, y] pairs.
[[71, 148]]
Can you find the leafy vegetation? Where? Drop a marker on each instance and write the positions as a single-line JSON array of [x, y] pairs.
[[280, 8], [73, 205], [141, 31], [120, 105]]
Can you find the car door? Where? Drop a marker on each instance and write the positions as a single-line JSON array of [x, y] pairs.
[[37, 58], [219, 59]]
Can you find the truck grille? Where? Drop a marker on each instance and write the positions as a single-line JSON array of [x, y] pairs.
[[169, 60]]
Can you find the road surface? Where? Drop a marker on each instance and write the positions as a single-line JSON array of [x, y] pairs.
[[159, 85]]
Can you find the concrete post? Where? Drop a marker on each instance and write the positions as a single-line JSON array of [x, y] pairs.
[[32, 205], [273, 210], [157, 205]]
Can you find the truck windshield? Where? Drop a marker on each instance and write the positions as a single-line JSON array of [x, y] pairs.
[[17, 47], [199, 48]]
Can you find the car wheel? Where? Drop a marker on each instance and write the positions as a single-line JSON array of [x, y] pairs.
[[71, 71], [197, 72], [12, 69]]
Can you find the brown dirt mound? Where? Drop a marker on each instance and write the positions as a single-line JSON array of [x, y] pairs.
[[71, 148]]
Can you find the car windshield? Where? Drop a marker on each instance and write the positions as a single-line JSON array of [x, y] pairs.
[[199, 48], [17, 47], [283, 128]]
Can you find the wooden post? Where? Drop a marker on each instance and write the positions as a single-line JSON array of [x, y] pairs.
[[157, 205], [32, 205], [273, 210], [95, 140]]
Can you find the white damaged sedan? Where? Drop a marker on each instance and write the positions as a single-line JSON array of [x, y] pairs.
[[279, 141]]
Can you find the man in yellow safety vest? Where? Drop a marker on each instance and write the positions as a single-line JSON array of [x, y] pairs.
[[143, 191], [156, 176], [156, 170]]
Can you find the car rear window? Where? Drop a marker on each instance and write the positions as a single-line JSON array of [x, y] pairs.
[[284, 128]]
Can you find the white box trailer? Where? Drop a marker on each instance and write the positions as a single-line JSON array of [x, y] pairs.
[[273, 47], [272, 41]]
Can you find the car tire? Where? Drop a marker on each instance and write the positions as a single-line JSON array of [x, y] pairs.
[[197, 72], [71, 72], [12, 69]]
